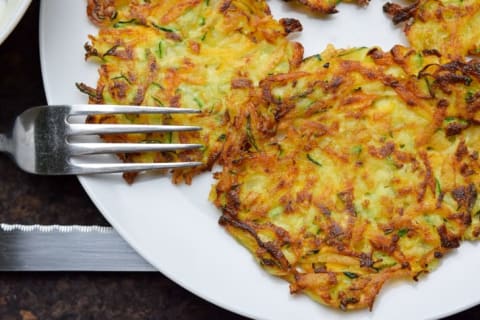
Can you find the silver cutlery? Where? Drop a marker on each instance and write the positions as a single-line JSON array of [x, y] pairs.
[[66, 248], [40, 141]]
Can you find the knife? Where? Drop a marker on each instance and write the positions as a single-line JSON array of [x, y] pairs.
[[66, 248]]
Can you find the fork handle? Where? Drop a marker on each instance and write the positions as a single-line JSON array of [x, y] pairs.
[[5, 145]]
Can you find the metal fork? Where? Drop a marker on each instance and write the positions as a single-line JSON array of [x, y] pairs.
[[40, 140]]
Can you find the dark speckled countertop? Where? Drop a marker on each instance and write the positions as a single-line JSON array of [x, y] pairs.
[[29, 199]]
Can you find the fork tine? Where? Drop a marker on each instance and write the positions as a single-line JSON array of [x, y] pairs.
[[86, 109], [84, 129], [86, 148], [86, 168]]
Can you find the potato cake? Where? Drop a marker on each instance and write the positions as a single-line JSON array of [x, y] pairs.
[[194, 54], [359, 167], [328, 6], [448, 26]]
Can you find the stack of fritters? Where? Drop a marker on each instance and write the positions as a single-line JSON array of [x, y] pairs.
[[341, 171]]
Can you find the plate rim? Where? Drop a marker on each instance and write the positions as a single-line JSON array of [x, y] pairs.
[[129, 237], [19, 8]]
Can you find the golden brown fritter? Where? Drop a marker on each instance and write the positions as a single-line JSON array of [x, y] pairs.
[[448, 26], [186, 54], [359, 167], [328, 6]]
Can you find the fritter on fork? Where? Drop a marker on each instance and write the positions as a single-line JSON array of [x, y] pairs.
[[185, 54]]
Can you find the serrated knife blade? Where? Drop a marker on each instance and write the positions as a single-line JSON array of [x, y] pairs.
[[66, 248]]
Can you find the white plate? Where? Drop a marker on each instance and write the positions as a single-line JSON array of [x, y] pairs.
[[11, 12], [175, 227]]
